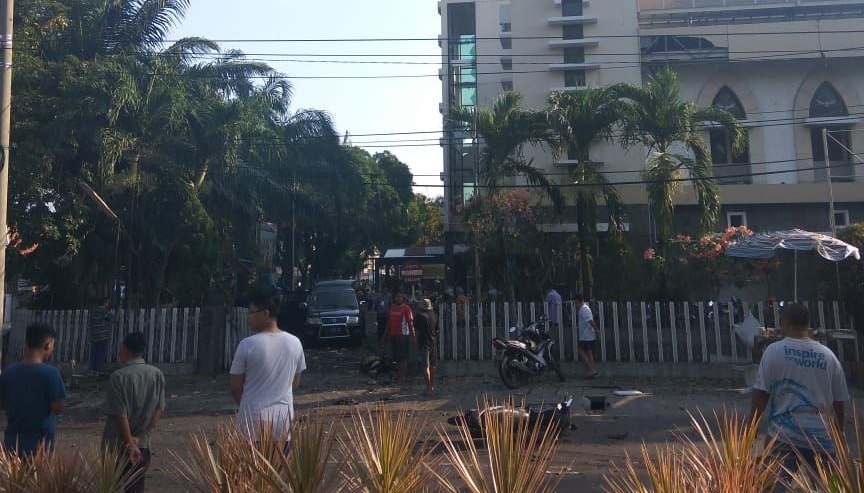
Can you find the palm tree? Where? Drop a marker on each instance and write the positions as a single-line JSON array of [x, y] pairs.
[[659, 118], [578, 119], [504, 130]]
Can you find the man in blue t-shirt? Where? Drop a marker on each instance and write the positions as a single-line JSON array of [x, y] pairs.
[[32, 394]]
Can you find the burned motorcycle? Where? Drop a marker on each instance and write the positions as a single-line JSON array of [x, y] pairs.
[[554, 416], [527, 353]]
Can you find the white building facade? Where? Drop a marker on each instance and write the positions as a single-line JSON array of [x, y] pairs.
[[786, 69]]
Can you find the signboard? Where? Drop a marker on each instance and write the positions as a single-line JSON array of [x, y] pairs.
[[412, 272], [433, 271]]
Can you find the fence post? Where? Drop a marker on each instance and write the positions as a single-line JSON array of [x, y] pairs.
[[211, 340], [645, 344], [601, 307], [630, 331]]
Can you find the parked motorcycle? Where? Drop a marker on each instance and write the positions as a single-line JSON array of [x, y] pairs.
[[556, 416], [527, 353]]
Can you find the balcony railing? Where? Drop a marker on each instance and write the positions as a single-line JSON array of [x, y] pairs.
[[707, 4]]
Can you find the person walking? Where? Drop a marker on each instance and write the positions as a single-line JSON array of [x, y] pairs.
[[134, 403], [426, 325], [587, 332], [32, 394], [100, 321], [804, 384], [400, 328], [553, 304], [382, 310], [266, 371]]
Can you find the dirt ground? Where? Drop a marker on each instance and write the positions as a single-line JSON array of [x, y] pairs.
[[332, 381]]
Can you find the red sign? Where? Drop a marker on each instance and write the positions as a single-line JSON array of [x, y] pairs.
[[412, 272]]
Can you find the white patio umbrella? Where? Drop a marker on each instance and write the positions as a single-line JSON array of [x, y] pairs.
[[762, 246]]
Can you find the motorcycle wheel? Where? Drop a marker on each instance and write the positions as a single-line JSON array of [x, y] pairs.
[[508, 374]]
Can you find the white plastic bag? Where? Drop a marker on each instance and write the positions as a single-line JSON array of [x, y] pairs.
[[748, 330]]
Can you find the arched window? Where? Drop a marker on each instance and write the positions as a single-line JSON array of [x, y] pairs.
[[827, 103], [729, 166]]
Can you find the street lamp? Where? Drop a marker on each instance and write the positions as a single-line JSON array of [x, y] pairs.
[[103, 206]]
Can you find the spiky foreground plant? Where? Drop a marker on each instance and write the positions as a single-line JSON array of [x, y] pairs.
[[721, 461], [89, 472], [234, 462], [842, 473], [380, 453], [518, 456]]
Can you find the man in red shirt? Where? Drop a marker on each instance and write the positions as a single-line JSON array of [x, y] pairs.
[[400, 328]]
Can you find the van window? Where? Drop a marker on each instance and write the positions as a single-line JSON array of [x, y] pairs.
[[333, 300]]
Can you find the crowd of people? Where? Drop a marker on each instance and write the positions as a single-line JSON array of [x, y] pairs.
[[800, 385]]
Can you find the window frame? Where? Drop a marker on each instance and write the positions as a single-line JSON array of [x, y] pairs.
[[844, 213], [731, 214]]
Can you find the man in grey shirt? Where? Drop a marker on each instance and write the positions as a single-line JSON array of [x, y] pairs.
[[134, 402]]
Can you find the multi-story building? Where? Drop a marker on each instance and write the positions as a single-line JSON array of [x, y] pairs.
[[786, 69]]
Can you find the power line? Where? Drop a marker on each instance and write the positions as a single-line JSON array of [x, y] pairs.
[[437, 141], [607, 172], [611, 65], [488, 38], [318, 57]]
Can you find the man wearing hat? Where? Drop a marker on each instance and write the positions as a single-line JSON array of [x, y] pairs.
[[426, 324]]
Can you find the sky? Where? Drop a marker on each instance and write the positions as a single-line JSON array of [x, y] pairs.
[[358, 106]]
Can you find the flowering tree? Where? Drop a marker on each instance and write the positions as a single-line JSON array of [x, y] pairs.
[[700, 266], [504, 228]]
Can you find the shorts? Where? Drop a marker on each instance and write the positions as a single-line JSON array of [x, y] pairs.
[[428, 357], [588, 346], [399, 347]]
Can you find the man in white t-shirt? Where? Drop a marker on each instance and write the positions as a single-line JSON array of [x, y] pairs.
[[802, 384], [266, 370], [587, 335]]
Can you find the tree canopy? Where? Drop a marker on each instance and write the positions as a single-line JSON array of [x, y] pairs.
[[192, 147]]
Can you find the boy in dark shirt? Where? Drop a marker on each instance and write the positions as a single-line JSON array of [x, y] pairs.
[[32, 394]]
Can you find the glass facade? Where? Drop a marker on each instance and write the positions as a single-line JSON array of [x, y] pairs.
[[462, 30]]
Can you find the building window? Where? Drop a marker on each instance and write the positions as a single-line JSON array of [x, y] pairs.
[[571, 8], [506, 64], [506, 43], [729, 166], [506, 85], [736, 219], [504, 17], [468, 96], [466, 75], [841, 219], [574, 55], [574, 78], [573, 31], [465, 48], [827, 103]]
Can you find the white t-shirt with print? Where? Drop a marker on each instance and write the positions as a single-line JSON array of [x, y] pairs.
[[269, 361], [586, 331], [804, 380]]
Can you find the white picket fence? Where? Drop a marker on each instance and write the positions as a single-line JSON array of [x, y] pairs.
[[629, 331], [236, 328], [644, 332], [172, 334]]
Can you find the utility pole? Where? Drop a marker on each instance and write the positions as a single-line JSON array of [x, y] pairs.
[[293, 227], [7, 11], [831, 219]]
